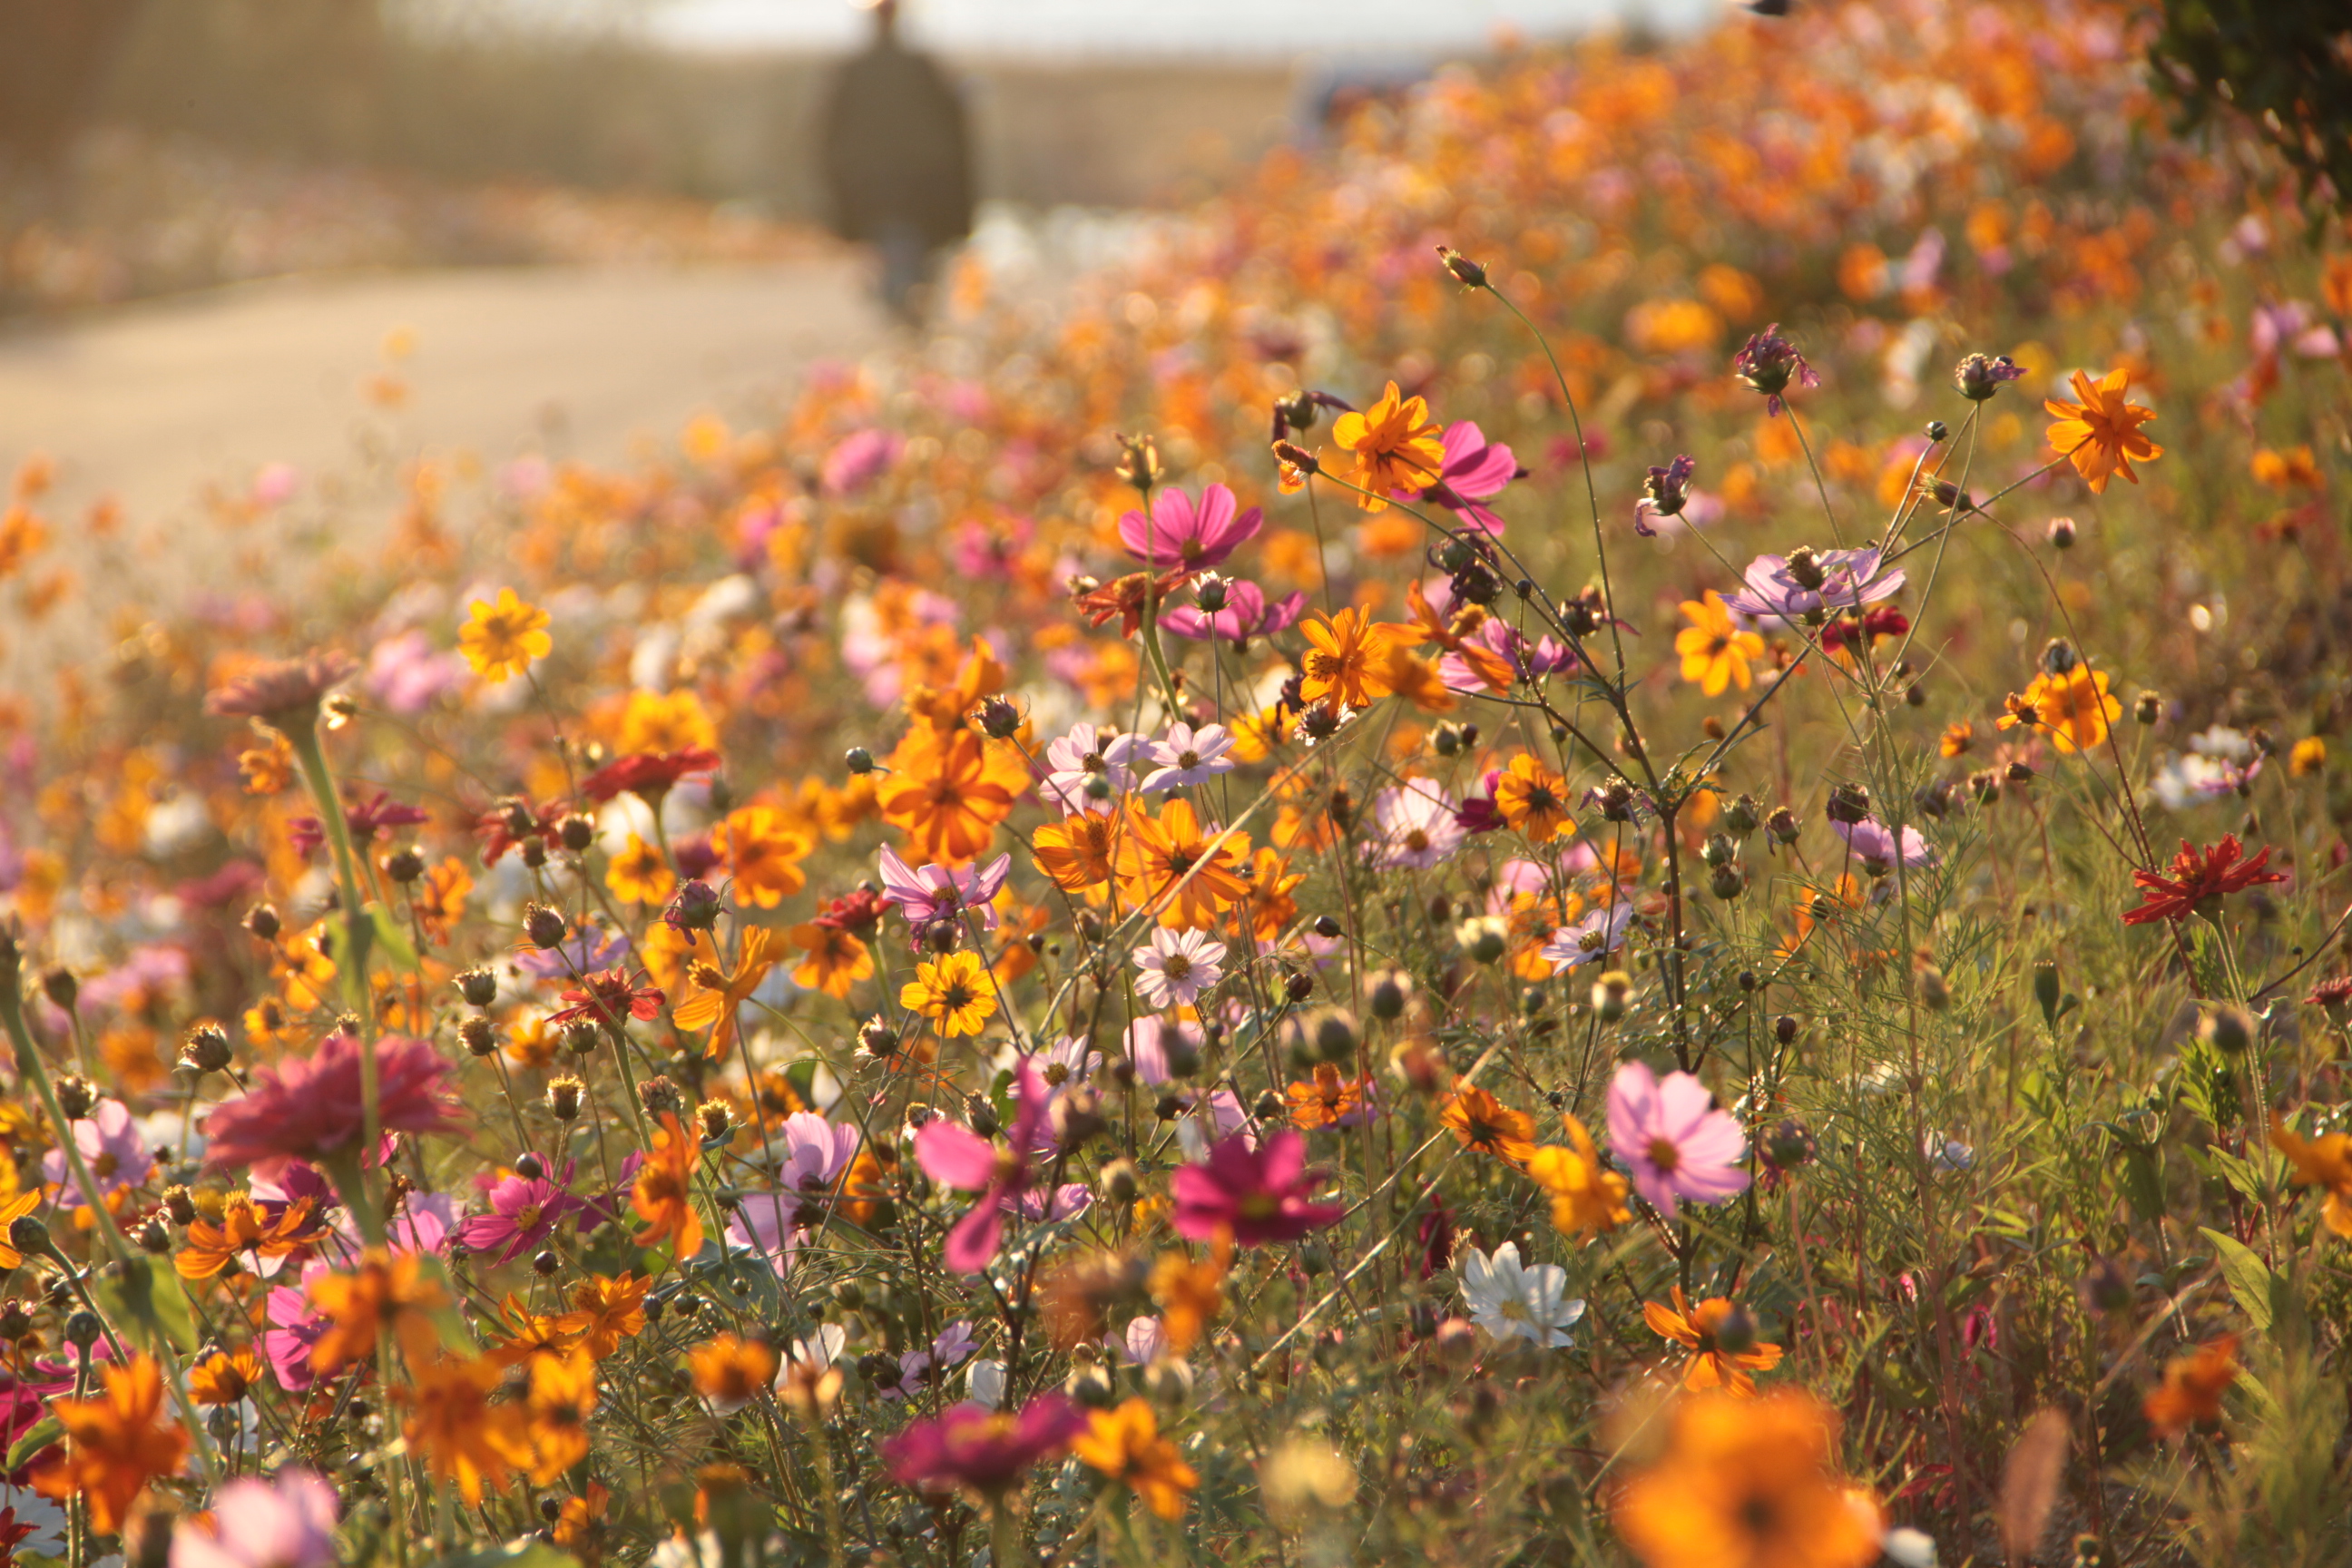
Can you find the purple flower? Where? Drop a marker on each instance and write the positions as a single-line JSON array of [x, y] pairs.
[[816, 1152], [584, 953], [1476, 469], [973, 1447], [1075, 762], [1416, 824], [406, 675], [1593, 938], [1245, 615], [1664, 494], [294, 1329], [288, 1522], [1806, 584], [1769, 363], [1872, 843], [1175, 967], [524, 1211], [111, 1144], [958, 1157], [953, 1346], [1255, 1195], [1181, 534], [943, 894], [1672, 1140]]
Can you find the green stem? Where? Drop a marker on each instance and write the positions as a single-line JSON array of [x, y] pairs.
[[352, 959]]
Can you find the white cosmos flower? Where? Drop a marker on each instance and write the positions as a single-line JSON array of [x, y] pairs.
[[1510, 1300], [1177, 966]]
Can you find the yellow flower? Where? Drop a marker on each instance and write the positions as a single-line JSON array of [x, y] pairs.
[[1748, 1482], [638, 875], [1350, 659], [1714, 651], [503, 639], [1396, 445], [730, 1371], [561, 1397], [2073, 708], [1533, 800], [2309, 756], [664, 722], [224, 1377], [716, 994], [461, 1434], [2100, 435], [1586, 1197], [953, 992], [765, 851], [1125, 1444]]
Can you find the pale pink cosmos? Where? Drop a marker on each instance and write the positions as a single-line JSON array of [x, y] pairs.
[[112, 1145], [1674, 1143], [1090, 768], [1590, 940], [1872, 843], [1150, 1040], [1416, 825], [288, 1522], [1175, 967], [407, 674], [816, 1152], [857, 460], [1179, 533], [1188, 756], [942, 895]]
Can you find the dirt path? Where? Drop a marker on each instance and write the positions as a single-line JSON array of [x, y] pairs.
[[152, 403]]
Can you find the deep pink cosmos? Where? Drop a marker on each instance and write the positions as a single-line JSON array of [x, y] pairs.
[[956, 1156], [1179, 534], [1256, 1195], [311, 1109], [973, 1447], [1674, 1143]]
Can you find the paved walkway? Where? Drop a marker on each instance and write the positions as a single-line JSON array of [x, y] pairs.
[[153, 402]]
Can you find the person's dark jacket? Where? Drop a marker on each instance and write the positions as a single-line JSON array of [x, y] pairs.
[[894, 148]]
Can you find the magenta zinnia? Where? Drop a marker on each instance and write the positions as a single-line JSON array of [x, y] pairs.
[[312, 1109]]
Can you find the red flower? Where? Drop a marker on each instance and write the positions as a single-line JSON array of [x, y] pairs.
[[649, 774], [508, 824], [309, 1109], [858, 914], [362, 821], [2197, 877], [985, 1451], [610, 997]]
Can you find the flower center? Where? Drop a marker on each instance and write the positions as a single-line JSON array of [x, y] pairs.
[[1260, 1206], [956, 997], [1664, 1154], [528, 1217], [1324, 666], [1188, 759], [1416, 840], [1176, 967]]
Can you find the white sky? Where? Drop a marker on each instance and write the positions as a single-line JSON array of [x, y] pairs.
[[1110, 27]]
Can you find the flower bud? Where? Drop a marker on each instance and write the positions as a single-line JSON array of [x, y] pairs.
[[546, 1263], [1298, 456], [206, 1048], [1740, 819], [1466, 272], [534, 854], [1091, 1387], [77, 1097], [581, 1037], [1448, 741], [1789, 1145], [1075, 1117], [1718, 849], [1610, 995], [714, 1119], [479, 986], [1782, 824], [262, 921], [1298, 986], [83, 1329], [999, 719], [60, 985], [980, 1116], [577, 832], [180, 1204], [1935, 992], [1388, 999], [2229, 1030], [478, 1036], [1335, 1038], [1727, 882], [1938, 432], [564, 1093], [2045, 990], [17, 1321], [858, 761], [155, 1236], [2149, 709], [2058, 656], [543, 926], [1979, 376], [1212, 592], [661, 1096], [1848, 804], [1784, 1029], [2062, 533], [404, 864], [1139, 463], [1482, 939], [695, 907]]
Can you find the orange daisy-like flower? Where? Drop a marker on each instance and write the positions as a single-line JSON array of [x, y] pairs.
[[764, 850], [2074, 709], [834, 959], [1168, 862], [1748, 1482], [522, 1335], [1481, 1122], [1079, 851], [717, 995], [115, 1442], [1125, 1444], [730, 1371], [2100, 435], [640, 874], [614, 1309], [1396, 446], [954, 992], [464, 1437], [1189, 1295], [388, 1294], [1586, 1196], [1324, 1101], [1270, 908], [2190, 1394], [503, 637], [13, 1210], [2324, 1162], [561, 1398], [243, 1228], [1532, 799], [1703, 1331], [224, 1377], [1716, 652], [943, 794], [1348, 664], [664, 1192]]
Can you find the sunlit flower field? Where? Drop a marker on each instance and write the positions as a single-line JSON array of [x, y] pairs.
[[1606, 827]]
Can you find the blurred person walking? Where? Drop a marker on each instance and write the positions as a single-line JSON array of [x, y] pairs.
[[897, 160]]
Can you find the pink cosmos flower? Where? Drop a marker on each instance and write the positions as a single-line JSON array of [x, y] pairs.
[[1672, 1140], [1872, 843], [1077, 760], [973, 1447], [956, 1156], [1175, 967], [407, 674], [943, 894], [1476, 470], [1256, 1195], [917, 1368], [288, 1522], [856, 461], [1188, 756], [1245, 613], [294, 1329], [111, 1144], [816, 1152], [1179, 534], [1590, 940], [311, 1109], [1416, 825], [524, 1211]]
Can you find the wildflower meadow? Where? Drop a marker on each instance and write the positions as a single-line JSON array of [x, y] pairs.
[[1606, 826]]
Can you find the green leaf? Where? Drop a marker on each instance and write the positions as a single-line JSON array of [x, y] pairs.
[[131, 1294], [397, 949], [2143, 1184], [2251, 1279], [2205, 957], [48, 1429]]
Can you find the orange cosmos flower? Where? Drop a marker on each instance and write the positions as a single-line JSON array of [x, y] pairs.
[[2072, 709], [639, 874], [835, 959], [2100, 435], [1349, 661], [729, 1371], [1716, 652], [614, 1309], [1269, 908], [13, 1210], [1326, 1100], [1169, 857], [2190, 1394], [1078, 852], [2324, 1162], [717, 995], [556, 1407], [1189, 1295], [942, 794], [522, 1335], [1533, 800], [242, 1229], [665, 723], [1479, 1121], [1586, 1196], [1749, 1482], [1125, 1444], [1716, 1365], [388, 1294], [1396, 446], [664, 1193], [764, 850], [224, 1377], [115, 1442], [461, 1434]]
